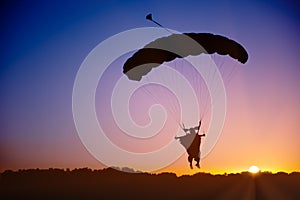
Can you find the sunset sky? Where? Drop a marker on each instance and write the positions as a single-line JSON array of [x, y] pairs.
[[44, 44]]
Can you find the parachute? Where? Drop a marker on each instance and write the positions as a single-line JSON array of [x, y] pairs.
[[151, 55], [194, 82], [169, 51]]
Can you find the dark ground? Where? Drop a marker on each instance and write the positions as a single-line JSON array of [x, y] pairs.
[[112, 184]]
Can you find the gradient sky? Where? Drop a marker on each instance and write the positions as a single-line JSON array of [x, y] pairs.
[[45, 42]]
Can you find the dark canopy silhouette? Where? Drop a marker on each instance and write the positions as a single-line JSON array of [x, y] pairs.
[[168, 48]]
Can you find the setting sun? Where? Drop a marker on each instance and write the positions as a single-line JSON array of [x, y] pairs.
[[253, 169]]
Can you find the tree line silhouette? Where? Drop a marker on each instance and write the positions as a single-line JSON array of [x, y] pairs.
[[111, 183]]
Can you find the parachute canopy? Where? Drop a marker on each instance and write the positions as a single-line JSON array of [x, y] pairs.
[[162, 50]]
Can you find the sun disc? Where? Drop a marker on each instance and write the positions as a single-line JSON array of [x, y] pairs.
[[253, 169]]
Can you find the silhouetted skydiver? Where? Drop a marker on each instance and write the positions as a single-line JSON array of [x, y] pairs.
[[191, 141]]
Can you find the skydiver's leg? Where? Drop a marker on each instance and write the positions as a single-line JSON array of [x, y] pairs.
[[190, 159], [197, 160]]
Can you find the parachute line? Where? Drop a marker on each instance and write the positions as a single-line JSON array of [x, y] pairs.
[[171, 110]]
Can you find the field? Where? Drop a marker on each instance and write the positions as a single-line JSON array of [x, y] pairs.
[[113, 184]]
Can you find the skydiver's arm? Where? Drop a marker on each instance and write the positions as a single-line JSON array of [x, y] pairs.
[[202, 135], [198, 127]]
